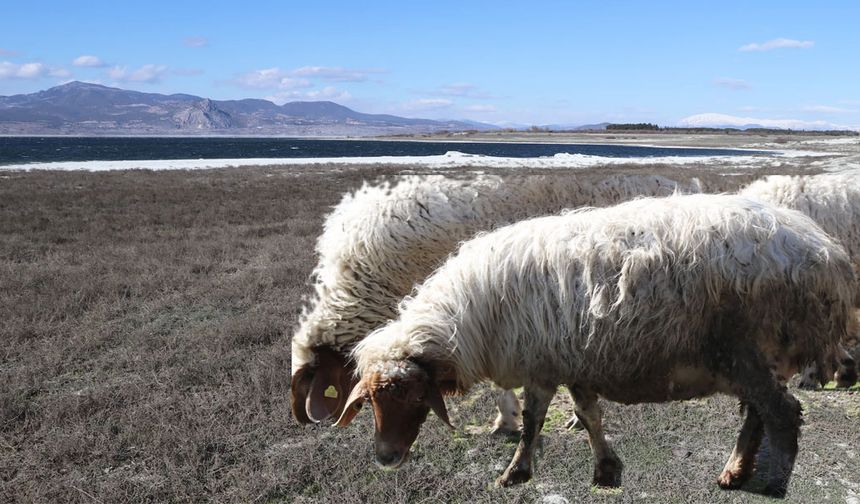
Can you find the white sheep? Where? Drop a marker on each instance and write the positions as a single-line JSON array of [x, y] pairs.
[[649, 301], [383, 239], [833, 201]]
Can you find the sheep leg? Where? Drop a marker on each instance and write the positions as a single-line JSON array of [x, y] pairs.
[[607, 465], [778, 409], [510, 411], [520, 469], [740, 466], [846, 371], [574, 423], [845, 375], [809, 378]]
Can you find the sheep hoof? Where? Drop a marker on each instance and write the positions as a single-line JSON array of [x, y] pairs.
[[732, 480], [574, 424], [513, 477], [607, 473]]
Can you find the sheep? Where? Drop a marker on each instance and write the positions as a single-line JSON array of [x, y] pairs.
[[833, 201], [381, 240], [648, 301]]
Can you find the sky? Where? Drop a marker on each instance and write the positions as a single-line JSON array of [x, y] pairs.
[[775, 63]]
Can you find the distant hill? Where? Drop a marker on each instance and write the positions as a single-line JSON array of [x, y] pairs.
[[576, 127], [80, 108]]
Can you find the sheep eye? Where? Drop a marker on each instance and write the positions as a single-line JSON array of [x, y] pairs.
[[419, 399]]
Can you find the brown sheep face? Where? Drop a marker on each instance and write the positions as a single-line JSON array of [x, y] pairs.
[[401, 394]]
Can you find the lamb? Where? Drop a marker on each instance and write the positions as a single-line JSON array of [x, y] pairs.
[[649, 301], [380, 241], [833, 201]]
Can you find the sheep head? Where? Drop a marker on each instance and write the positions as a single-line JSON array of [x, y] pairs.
[[319, 390], [401, 393]]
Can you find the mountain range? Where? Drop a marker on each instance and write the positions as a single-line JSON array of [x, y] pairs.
[[80, 108]]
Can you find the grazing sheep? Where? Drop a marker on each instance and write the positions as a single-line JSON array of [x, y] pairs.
[[649, 301], [380, 241], [833, 201]]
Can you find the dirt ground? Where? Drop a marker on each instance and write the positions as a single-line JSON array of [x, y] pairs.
[[146, 320]]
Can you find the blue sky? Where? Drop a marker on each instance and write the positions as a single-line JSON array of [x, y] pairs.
[[501, 62]]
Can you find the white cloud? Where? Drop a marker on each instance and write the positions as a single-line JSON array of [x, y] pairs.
[[7, 52], [725, 120], [427, 104], [196, 41], [827, 109], [780, 43], [300, 78], [462, 89], [30, 71], [480, 108], [326, 93], [734, 84], [337, 74], [147, 73], [88, 60], [329, 93], [271, 78]]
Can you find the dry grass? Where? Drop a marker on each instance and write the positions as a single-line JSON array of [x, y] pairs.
[[146, 319]]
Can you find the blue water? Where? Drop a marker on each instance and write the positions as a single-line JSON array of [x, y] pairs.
[[15, 150]]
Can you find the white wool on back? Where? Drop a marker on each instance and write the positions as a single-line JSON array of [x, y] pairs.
[[382, 239], [612, 292], [832, 200]]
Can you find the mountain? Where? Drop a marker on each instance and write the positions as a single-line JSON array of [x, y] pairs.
[[714, 120], [80, 108], [576, 127]]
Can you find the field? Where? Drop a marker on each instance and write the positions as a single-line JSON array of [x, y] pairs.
[[146, 320]]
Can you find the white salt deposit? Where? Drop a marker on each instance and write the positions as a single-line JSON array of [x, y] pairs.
[[450, 159]]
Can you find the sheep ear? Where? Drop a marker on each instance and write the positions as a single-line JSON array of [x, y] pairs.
[[353, 404], [299, 388], [437, 404], [329, 387]]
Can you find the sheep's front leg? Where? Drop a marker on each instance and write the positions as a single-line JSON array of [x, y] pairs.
[[607, 465], [741, 463], [520, 469], [510, 413]]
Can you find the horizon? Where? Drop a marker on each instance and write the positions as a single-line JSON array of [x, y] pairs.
[[783, 64]]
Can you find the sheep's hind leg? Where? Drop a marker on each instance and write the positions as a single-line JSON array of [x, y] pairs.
[[607, 465], [778, 409], [846, 371], [510, 412], [740, 466], [574, 423], [520, 469]]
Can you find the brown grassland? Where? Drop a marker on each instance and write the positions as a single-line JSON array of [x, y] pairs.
[[145, 320]]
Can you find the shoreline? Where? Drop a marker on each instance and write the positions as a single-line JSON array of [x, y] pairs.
[[751, 151], [451, 159]]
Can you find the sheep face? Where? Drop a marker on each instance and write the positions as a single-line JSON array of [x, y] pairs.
[[319, 390], [401, 394]]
